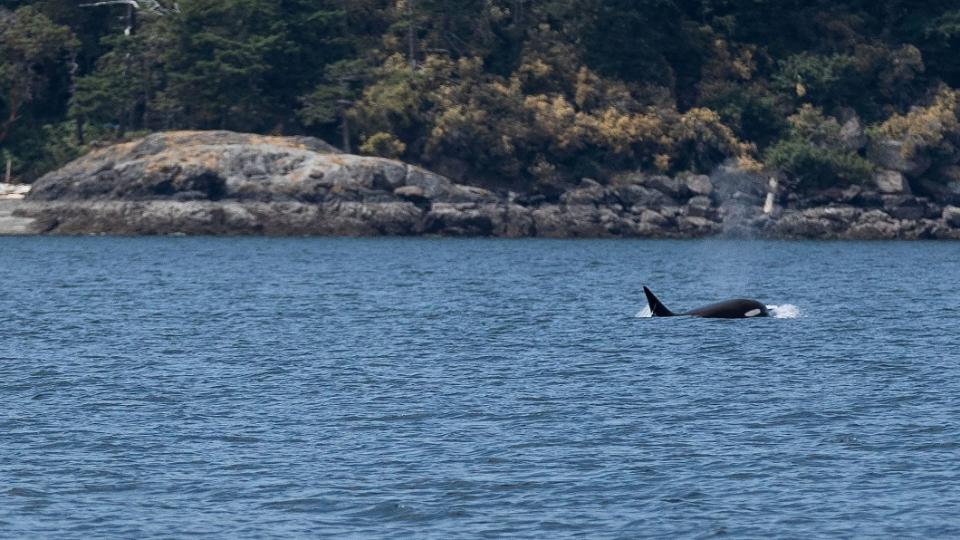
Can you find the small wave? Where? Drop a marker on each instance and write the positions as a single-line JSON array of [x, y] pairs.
[[644, 313], [392, 510], [785, 311]]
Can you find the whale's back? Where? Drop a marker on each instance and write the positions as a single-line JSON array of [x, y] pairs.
[[738, 308]]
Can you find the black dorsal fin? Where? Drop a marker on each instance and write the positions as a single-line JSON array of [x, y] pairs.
[[656, 306]]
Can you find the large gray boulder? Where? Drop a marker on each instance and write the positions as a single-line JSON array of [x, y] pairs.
[[840, 214], [951, 215], [852, 136], [908, 207], [463, 219], [887, 181], [701, 206], [588, 192], [699, 184], [226, 166], [643, 197], [889, 154], [670, 186], [652, 217], [874, 225], [221, 182], [805, 225], [698, 227]]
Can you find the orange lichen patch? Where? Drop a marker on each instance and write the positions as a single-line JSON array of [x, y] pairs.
[[155, 166], [127, 146], [176, 137], [211, 161], [275, 140], [117, 148], [183, 140]]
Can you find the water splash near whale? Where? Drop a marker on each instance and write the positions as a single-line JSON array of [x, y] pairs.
[[784, 311], [644, 313]]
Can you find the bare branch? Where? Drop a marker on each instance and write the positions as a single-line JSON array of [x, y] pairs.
[[153, 6], [113, 2]]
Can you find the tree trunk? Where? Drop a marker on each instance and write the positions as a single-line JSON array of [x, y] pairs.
[[411, 35], [132, 122], [9, 174], [517, 12], [145, 118], [345, 130], [13, 103], [131, 20], [74, 68]]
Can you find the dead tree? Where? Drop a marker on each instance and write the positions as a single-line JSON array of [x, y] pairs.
[[153, 7]]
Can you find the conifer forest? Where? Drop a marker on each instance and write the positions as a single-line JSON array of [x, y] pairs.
[[513, 94]]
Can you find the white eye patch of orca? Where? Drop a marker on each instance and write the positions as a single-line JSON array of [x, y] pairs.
[[752, 313]]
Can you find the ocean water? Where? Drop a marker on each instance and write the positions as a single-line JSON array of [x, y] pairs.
[[430, 388]]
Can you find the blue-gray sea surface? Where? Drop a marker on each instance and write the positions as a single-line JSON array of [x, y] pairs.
[[384, 388]]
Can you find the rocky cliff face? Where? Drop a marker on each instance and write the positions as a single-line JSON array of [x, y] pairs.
[[230, 183]]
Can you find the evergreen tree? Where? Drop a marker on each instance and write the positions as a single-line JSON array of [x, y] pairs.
[[37, 58], [510, 92]]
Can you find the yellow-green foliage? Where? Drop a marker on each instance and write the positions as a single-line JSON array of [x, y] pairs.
[[699, 132], [397, 101], [383, 145], [923, 128], [516, 91], [810, 124], [549, 117]]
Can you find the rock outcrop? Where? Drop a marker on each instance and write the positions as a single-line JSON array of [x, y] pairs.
[[887, 181], [230, 183], [888, 154], [225, 166], [10, 222]]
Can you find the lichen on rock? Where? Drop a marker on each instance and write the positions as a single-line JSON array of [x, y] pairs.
[[230, 183]]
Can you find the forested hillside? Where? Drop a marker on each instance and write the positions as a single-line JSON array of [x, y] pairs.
[[507, 93]]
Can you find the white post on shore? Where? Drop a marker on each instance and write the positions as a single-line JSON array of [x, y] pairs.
[[771, 195], [9, 170]]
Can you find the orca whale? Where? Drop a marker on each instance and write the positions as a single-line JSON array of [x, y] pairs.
[[738, 308]]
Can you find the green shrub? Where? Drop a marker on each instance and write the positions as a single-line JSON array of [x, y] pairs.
[[817, 167], [383, 145], [813, 153]]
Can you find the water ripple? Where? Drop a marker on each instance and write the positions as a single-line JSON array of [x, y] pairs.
[[158, 387]]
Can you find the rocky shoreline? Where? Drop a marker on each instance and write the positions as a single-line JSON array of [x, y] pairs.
[[222, 183]]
